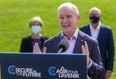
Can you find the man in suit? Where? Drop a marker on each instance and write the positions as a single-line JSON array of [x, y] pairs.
[[79, 42], [103, 34]]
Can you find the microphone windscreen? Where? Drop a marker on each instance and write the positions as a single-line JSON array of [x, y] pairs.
[[64, 45]]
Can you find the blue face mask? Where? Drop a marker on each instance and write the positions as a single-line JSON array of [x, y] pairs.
[[36, 29]]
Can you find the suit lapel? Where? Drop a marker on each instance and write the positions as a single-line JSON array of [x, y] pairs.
[[57, 40], [100, 33], [79, 43], [88, 30], [30, 43]]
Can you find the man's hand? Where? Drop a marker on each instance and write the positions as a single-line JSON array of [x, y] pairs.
[[36, 49], [85, 50], [108, 74]]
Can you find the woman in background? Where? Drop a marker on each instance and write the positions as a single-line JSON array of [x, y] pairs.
[[28, 42]]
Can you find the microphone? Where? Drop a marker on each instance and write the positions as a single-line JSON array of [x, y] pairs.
[[62, 46]]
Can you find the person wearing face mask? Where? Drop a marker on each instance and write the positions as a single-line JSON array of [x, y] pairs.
[[27, 43], [103, 34]]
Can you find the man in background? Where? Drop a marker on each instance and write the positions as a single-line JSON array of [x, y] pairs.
[[103, 34]]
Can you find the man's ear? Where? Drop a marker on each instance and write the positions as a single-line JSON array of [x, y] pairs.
[[78, 18]]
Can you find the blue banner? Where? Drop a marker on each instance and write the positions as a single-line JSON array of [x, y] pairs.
[[43, 66]]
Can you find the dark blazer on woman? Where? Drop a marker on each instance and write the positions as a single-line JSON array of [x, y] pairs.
[[26, 44]]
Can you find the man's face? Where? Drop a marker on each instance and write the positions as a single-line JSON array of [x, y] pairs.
[[67, 19], [94, 16]]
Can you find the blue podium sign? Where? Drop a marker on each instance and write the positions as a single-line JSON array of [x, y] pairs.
[[43, 66]]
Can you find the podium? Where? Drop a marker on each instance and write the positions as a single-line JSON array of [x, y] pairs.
[[43, 66]]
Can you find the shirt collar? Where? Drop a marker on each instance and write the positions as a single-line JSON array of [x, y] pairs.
[[98, 27], [74, 36]]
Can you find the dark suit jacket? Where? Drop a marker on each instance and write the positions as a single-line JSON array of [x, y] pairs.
[[96, 71], [106, 44], [26, 44]]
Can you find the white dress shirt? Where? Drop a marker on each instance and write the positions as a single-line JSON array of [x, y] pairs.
[[95, 32], [71, 41]]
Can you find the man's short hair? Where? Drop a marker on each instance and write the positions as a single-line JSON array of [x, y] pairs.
[[96, 9], [68, 4]]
